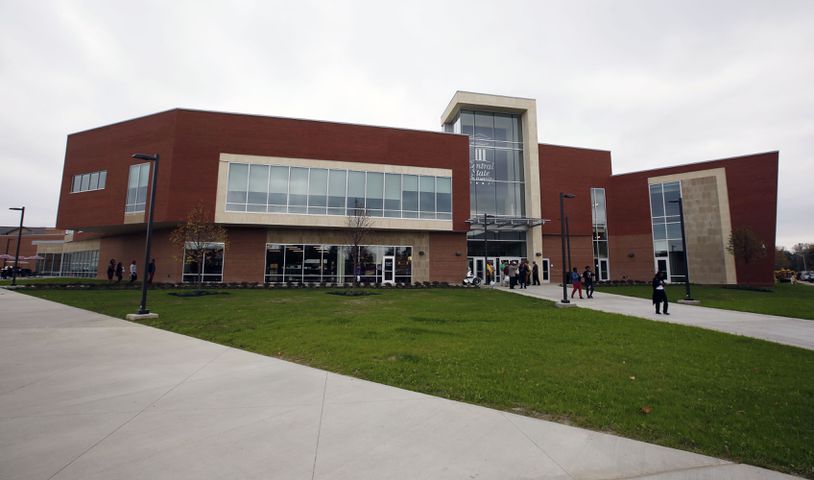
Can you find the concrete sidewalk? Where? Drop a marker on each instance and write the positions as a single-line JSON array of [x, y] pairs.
[[85, 396], [785, 330]]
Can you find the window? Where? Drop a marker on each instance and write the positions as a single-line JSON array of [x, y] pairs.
[[599, 219], [87, 182], [80, 264], [212, 270], [668, 248], [320, 191], [137, 188], [307, 263]]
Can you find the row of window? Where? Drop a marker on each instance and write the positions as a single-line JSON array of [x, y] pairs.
[[311, 263], [86, 182], [668, 248], [322, 191]]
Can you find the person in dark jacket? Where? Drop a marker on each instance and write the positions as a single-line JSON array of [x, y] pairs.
[[111, 270], [522, 274], [535, 274], [588, 281], [119, 272], [659, 293]]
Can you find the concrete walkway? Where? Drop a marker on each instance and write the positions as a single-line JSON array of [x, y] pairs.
[[785, 330], [85, 396]]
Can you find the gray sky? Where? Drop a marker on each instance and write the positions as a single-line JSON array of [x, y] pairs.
[[658, 83]]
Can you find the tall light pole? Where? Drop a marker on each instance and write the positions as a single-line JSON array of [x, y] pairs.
[[142, 309], [688, 293], [486, 218], [563, 196], [19, 239]]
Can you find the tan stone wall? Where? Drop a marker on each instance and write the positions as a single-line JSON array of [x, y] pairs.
[[704, 231], [420, 241]]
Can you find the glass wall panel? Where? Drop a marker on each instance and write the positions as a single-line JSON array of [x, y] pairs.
[[331, 267], [656, 201], [409, 196], [238, 180], [318, 191], [212, 264], [102, 179], [367, 263], [467, 123], [278, 189], [85, 182], [293, 263], [672, 193], [392, 195], [298, 190], [346, 264], [375, 194], [336, 192], [94, 181], [503, 127], [443, 197], [427, 196], [77, 183], [274, 263], [312, 266], [484, 126], [258, 188], [356, 190]]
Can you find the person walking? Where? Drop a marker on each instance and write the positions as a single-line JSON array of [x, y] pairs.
[[535, 273], [576, 283], [119, 272], [490, 272], [588, 280], [151, 271], [133, 272], [504, 270], [659, 293], [522, 272], [111, 270]]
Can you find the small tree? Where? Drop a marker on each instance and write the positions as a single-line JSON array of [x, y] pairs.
[[359, 226], [195, 236], [745, 245]]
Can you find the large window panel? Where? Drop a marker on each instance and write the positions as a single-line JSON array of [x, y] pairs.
[[278, 189], [484, 126], [258, 188], [293, 263], [356, 191], [337, 184], [298, 190], [427, 196], [467, 123], [392, 195], [375, 194], [274, 263], [443, 197], [318, 191], [312, 265], [656, 201], [409, 196], [238, 186]]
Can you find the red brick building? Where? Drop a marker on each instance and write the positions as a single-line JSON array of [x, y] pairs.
[[284, 189]]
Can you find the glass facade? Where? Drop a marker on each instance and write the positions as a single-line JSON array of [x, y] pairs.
[[137, 188], [322, 191], [80, 264], [496, 177], [599, 219], [309, 263], [212, 264], [668, 248]]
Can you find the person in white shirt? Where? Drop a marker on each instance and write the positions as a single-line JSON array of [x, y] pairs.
[[659, 293], [133, 274]]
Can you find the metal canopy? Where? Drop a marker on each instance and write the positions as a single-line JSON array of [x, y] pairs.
[[504, 224]]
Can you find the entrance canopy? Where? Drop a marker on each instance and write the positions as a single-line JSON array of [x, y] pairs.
[[504, 224]]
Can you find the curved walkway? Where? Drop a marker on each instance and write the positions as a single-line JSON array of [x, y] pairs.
[[86, 396], [788, 331]]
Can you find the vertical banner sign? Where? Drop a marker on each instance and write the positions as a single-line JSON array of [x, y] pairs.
[[482, 168]]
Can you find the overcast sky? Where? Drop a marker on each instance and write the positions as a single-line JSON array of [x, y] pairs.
[[657, 83]]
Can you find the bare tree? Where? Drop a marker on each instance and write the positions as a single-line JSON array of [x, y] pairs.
[[195, 237], [359, 226], [745, 245]]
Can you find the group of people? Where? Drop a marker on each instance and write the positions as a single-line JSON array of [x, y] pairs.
[[116, 269], [578, 280], [514, 273]]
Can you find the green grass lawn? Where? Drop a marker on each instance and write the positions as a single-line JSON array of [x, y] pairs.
[[785, 299], [743, 399]]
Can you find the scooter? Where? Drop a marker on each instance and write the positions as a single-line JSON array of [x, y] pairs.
[[470, 279]]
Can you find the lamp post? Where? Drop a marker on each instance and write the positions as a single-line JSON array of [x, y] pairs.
[[19, 239], [568, 244], [142, 309], [688, 293], [486, 218], [563, 196]]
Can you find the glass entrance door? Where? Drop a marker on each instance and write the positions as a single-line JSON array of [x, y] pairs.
[[389, 270]]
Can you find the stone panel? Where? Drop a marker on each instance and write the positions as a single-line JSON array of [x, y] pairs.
[[704, 232]]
